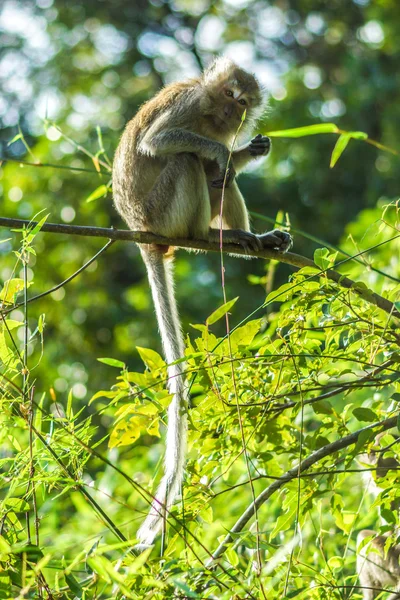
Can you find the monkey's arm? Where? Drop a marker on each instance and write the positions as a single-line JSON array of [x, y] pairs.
[[162, 141], [258, 146]]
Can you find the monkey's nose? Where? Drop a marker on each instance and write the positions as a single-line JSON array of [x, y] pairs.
[[228, 111]]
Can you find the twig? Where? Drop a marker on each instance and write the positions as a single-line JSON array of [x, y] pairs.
[[63, 283], [143, 237], [4, 159]]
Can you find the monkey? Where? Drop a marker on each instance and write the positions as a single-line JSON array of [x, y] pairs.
[[378, 568], [168, 174]]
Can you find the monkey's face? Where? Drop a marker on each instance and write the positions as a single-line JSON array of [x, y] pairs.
[[234, 102], [228, 95]]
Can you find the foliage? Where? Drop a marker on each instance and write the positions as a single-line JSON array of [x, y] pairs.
[[323, 365], [307, 362]]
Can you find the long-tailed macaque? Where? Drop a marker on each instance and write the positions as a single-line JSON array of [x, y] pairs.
[[377, 567], [168, 174]]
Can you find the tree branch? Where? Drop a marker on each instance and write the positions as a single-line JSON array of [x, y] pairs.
[[293, 473], [143, 237]]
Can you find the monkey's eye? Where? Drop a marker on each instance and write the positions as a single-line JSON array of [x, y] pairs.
[[229, 93], [242, 101]]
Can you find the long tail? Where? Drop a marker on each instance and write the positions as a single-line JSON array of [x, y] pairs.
[[160, 273]]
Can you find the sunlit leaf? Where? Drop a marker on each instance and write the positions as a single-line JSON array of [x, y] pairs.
[[16, 504], [151, 359], [345, 520], [221, 311], [112, 362], [35, 230], [98, 192], [324, 258], [297, 132], [127, 431], [11, 289], [17, 137], [339, 148]]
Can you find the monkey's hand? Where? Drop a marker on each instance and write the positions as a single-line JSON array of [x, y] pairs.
[[260, 145], [226, 176], [276, 239]]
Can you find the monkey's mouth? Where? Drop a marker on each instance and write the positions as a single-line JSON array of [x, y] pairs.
[[221, 122]]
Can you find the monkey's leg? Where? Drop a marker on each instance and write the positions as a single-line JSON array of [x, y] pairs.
[[235, 218], [178, 205]]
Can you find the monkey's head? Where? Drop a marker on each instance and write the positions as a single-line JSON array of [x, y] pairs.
[[228, 91]]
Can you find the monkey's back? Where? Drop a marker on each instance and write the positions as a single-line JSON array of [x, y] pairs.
[[134, 172]]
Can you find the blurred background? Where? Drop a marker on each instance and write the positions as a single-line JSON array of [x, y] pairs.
[[87, 66]]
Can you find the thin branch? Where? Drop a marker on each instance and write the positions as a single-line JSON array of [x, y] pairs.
[[63, 283], [144, 237], [293, 473], [4, 159]]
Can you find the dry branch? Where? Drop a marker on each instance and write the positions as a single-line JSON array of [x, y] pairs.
[[142, 237]]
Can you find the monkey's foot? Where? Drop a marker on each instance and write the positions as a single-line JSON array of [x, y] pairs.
[[276, 239], [249, 241]]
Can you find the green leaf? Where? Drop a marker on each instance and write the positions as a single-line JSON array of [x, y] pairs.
[[97, 193], [33, 552], [6, 355], [11, 324], [339, 148], [305, 131], [281, 294], [17, 137], [232, 556], [243, 336], [73, 585], [17, 504], [41, 323], [322, 407], [387, 515], [112, 362], [321, 258], [70, 412], [365, 414], [345, 520], [38, 227], [335, 562], [11, 288], [188, 593], [358, 135], [151, 359], [285, 519], [5, 547], [127, 431], [221, 311], [103, 394]]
